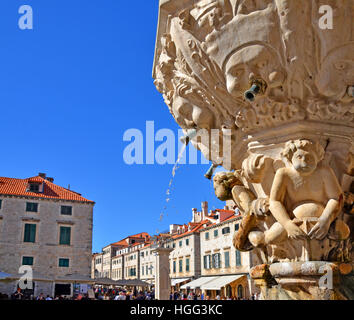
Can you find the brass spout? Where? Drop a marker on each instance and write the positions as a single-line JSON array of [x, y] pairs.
[[257, 87], [191, 133], [210, 171], [350, 91]]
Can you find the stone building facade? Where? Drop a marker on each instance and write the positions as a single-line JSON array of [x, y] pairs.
[[47, 228], [202, 250]]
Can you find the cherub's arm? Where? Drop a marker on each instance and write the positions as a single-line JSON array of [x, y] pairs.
[[277, 195], [276, 198], [243, 198], [333, 207], [334, 193]]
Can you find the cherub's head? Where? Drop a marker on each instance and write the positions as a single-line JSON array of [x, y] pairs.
[[304, 155], [223, 184]]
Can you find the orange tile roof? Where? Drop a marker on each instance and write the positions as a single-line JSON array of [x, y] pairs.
[[195, 229], [18, 187]]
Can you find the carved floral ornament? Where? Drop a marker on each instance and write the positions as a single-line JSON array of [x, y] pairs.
[[265, 70], [213, 52]]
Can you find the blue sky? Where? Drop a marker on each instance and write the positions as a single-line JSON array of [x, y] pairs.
[[69, 89]]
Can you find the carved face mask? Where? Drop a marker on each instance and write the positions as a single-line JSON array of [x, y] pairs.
[[337, 74], [189, 116], [252, 62]]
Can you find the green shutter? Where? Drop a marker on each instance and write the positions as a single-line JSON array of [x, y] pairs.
[[0, 203], [64, 263], [65, 235], [27, 261], [30, 233], [227, 259], [238, 258]]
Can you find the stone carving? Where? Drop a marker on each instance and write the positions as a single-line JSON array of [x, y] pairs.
[[283, 86]]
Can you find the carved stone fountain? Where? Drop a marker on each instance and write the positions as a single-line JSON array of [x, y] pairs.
[[280, 87]]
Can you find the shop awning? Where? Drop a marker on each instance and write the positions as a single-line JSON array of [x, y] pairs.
[[177, 281], [197, 283], [4, 275], [219, 282]]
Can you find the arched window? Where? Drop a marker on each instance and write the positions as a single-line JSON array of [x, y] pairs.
[[240, 291], [229, 291]]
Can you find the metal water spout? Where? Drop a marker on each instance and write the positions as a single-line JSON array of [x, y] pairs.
[[191, 133], [210, 171], [257, 87], [350, 91]]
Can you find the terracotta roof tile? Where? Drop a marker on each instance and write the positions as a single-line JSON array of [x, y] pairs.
[[19, 187]]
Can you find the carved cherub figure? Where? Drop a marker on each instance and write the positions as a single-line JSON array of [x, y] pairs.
[[231, 185], [306, 192]]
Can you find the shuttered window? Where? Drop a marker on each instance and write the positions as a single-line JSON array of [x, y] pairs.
[[30, 233], [65, 235], [238, 258], [31, 207], [227, 259], [64, 263], [27, 261], [66, 210], [187, 265]]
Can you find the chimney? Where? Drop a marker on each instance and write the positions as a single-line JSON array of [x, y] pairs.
[[50, 179], [42, 175], [194, 213], [204, 209]]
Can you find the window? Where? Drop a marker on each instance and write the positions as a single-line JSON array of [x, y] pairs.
[[142, 271], [238, 258], [27, 261], [180, 265], [34, 187], [30, 233], [240, 291], [226, 230], [0, 203], [66, 210], [216, 260], [187, 264], [65, 235], [31, 207], [227, 259], [216, 233], [174, 266], [174, 245], [187, 242], [237, 226], [207, 262], [207, 236], [63, 263], [147, 270], [180, 243]]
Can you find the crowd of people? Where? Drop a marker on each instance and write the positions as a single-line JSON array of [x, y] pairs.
[[201, 296], [123, 294]]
